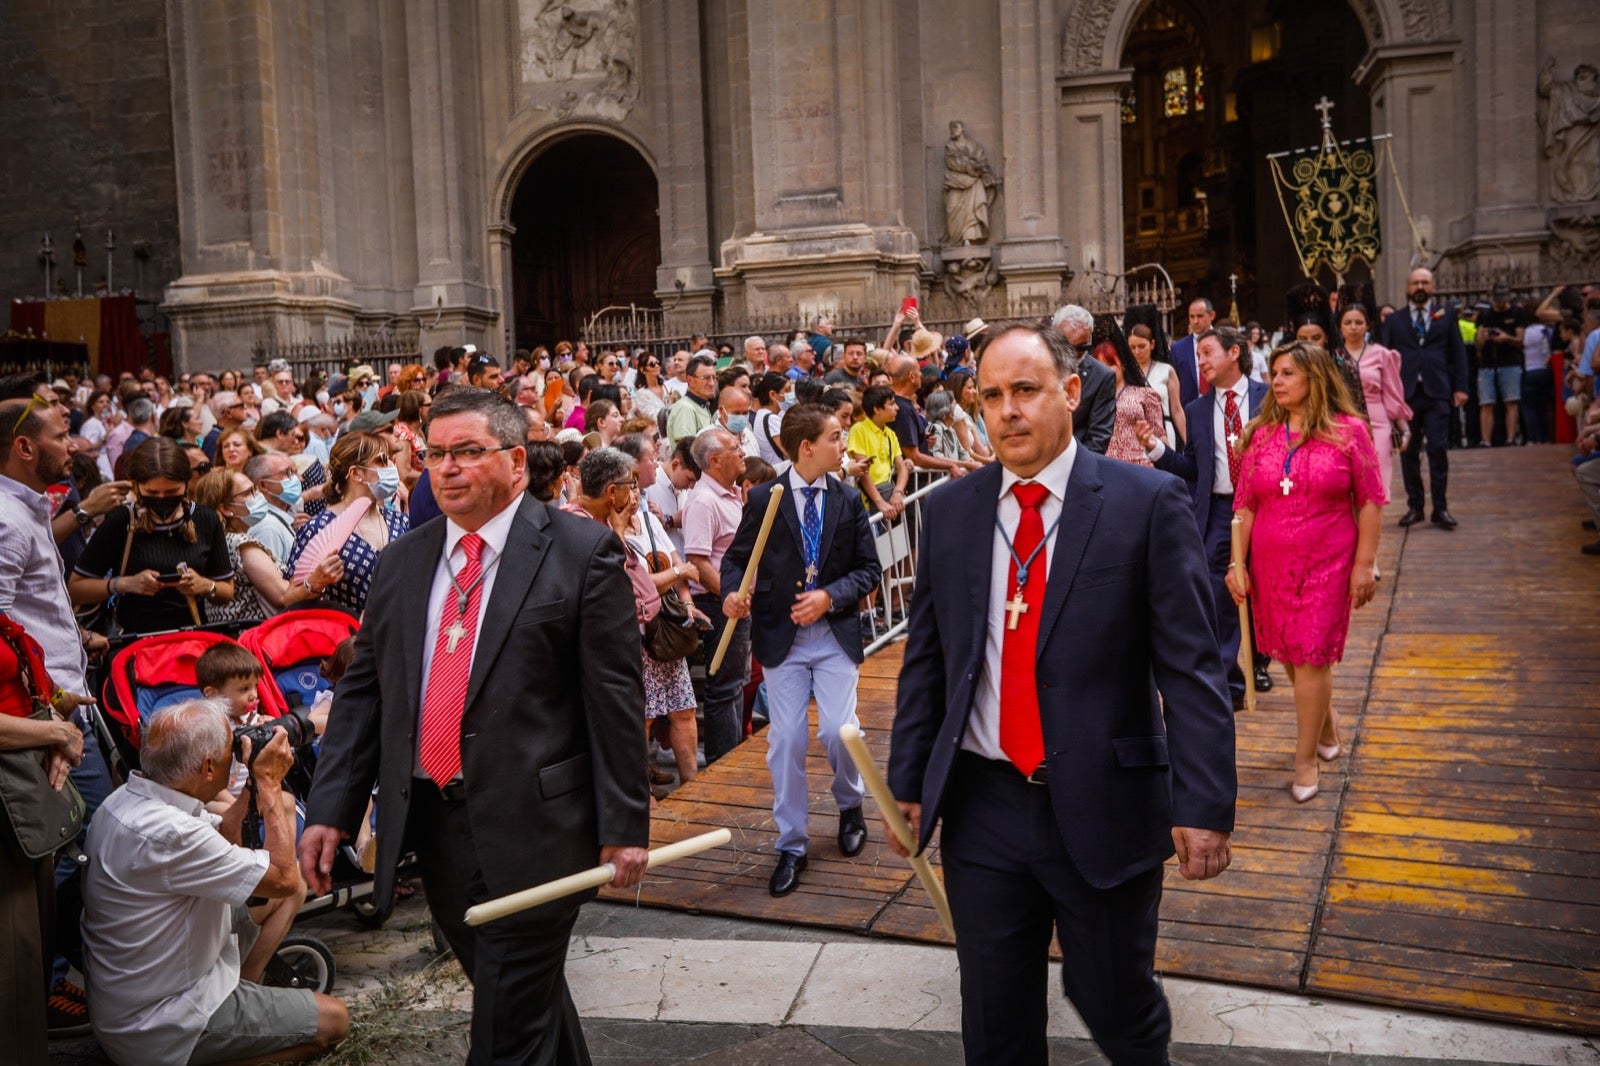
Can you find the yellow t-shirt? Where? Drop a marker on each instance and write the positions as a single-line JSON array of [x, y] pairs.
[[879, 445]]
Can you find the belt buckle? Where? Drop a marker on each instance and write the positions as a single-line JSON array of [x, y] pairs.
[[1040, 775], [453, 792]]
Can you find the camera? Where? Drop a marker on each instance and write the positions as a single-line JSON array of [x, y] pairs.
[[295, 722]]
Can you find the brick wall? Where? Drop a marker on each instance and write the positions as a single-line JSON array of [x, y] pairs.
[[85, 129]]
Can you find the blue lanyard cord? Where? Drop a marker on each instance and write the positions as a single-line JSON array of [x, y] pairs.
[[1289, 450], [1023, 566]]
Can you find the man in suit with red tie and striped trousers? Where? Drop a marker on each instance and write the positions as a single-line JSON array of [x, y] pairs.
[[1028, 716], [498, 762]]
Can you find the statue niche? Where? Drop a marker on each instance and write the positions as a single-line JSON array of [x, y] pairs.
[[970, 185], [1569, 126], [580, 60]]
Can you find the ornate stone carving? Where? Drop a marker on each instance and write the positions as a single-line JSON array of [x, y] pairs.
[[1574, 246], [969, 276], [590, 54], [970, 185], [1083, 42], [1569, 127]]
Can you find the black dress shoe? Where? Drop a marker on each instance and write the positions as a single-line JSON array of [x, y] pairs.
[[1263, 680], [1444, 520], [786, 878], [852, 831], [1591, 549], [1412, 516], [1589, 524]]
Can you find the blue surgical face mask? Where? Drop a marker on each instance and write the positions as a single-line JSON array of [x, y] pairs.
[[738, 423], [386, 486], [369, 396], [258, 509], [289, 491], [787, 401], [338, 408]]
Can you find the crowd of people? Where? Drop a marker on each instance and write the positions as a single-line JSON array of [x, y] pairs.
[[150, 504]]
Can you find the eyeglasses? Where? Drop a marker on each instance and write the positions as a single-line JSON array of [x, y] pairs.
[[463, 454], [631, 486], [201, 469]]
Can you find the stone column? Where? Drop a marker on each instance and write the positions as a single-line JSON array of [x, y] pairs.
[[451, 296], [257, 265], [1090, 132], [1033, 258], [1505, 202], [1414, 98], [684, 281], [828, 227]]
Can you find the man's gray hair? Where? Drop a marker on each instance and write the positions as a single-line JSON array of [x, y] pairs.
[[633, 445], [141, 410], [1062, 353], [712, 441], [507, 424], [602, 468], [322, 420], [751, 343], [263, 467], [1072, 315], [278, 366], [179, 739], [221, 401]]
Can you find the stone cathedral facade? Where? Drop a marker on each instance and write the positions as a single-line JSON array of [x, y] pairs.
[[498, 170]]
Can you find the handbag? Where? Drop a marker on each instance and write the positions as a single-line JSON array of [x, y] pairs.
[[671, 635], [38, 820]]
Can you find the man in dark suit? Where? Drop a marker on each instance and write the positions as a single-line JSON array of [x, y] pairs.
[[1186, 352], [1098, 404], [508, 751], [1433, 373], [1058, 592], [806, 633], [1208, 462]]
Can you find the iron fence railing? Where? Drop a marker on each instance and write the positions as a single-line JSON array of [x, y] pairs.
[[897, 554], [338, 356]]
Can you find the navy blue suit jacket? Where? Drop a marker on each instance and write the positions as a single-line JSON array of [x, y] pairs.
[[1187, 368], [1437, 363], [1097, 405], [847, 567], [1194, 462], [1127, 615]]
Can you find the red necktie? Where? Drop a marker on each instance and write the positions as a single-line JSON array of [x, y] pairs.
[[1021, 737], [1205, 386], [1232, 431], [445, 700]]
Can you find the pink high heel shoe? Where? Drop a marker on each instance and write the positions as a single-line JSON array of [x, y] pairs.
[[1329, 752]]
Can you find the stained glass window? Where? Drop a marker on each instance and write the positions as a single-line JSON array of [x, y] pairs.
[[1175, 88], [1199, 88], [1130, 106]]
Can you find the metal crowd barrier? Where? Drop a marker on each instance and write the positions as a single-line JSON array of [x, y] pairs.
[[897, 553]]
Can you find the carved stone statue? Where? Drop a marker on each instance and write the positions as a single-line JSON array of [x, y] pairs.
[[970, 184], [589, 54], [1569, 120], [969, 281]]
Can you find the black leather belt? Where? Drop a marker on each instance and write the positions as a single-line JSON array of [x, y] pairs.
[[454, 792], [1006, 768]]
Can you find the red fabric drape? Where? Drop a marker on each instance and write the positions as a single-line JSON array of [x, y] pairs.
[[1566, 430], [26, 316], [121, 346]]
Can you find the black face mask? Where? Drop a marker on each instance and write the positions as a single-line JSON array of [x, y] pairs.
[[164, 508]]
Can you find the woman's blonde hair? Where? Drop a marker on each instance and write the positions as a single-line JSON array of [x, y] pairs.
[[1326, 396]]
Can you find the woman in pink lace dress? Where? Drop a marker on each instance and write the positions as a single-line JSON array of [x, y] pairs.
[[1310, 503], [1379, 370]]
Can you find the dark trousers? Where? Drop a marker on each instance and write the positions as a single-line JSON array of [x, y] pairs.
[[1011, 884], [1538, 405], [1219, 553], [1430, 422], [93, 780], [724, 711], [522, 1011], [27, 913]]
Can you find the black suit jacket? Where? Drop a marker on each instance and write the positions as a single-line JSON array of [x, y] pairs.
[[1096, 416], [847, 567], [1437, 363], [552, 756], [1194, 461], [1127, 615]]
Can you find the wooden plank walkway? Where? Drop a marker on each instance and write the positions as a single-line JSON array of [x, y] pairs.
[[1451, 861]]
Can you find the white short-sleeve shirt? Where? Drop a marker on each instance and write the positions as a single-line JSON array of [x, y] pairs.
[[158, 900]]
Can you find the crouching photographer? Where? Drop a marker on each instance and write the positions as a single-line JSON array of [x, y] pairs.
[[172, 949]]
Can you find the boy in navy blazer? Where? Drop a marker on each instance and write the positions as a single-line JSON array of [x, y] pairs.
[[805, 631]]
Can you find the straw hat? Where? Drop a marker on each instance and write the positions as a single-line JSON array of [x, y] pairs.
[[974, 327], [925, 342]]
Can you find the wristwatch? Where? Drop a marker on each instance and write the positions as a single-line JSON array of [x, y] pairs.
[[85, 519]]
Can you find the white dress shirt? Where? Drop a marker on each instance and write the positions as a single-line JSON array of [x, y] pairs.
[[32, 589], [983, 725], [1221, 476]]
